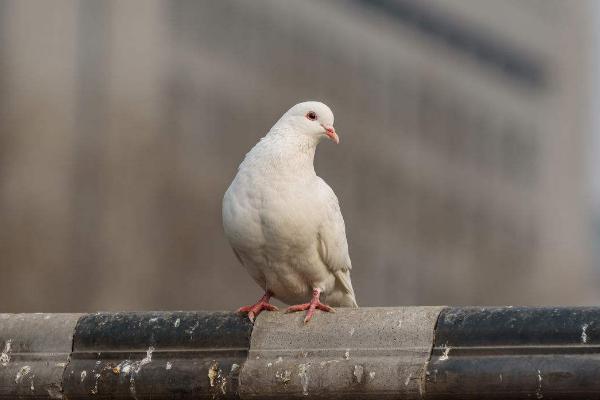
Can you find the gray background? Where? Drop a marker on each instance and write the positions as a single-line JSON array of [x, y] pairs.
[[464, 169]]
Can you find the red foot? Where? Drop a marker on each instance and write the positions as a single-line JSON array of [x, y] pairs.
[[314, 304], [262, 304]]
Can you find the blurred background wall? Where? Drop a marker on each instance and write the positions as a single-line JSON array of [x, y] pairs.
[[461, 171]]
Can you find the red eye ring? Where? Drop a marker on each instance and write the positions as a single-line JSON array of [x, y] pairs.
[[311, 115]]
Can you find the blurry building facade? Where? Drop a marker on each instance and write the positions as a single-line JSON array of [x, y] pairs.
[[460, 171]]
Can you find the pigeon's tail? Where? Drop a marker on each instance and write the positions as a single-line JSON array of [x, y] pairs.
[[348, 301], [353, 301]]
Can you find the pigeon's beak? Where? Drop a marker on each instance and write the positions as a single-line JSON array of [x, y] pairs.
[[331, 134]]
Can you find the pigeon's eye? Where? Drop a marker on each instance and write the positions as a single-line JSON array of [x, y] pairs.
[[311, 115]]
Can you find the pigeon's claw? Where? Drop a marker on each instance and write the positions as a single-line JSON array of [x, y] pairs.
[[315, 304], [255, 309]]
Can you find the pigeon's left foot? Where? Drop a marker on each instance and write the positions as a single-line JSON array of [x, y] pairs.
[[311, 307], [262, 304]]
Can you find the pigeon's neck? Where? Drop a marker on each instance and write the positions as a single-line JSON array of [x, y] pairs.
[[284, 154]]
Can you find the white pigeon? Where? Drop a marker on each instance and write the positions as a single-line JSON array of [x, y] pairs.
[[284, 222]]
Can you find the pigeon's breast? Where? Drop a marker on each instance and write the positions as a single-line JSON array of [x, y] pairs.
[[290, 215], [277, 217], [273, 228]]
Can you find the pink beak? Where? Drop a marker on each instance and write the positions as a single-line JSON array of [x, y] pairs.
[[331, 134]]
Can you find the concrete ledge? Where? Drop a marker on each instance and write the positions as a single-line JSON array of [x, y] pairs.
[[165, 355], [34, 351], [516, 352], [354, 353], [366, 353]]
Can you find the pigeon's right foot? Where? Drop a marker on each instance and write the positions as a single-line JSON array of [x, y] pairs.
[[262, 304], [315, 304]]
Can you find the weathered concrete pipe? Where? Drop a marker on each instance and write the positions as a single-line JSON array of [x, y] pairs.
[[377, 353]]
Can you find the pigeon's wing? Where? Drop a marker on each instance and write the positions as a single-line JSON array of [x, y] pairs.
[[333, 246], [237, 255]]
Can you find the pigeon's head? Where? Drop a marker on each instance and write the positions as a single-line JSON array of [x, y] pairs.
[[311, 118]]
